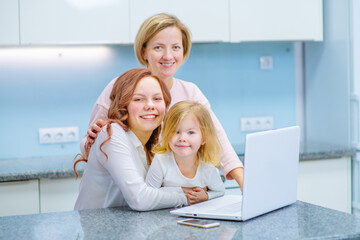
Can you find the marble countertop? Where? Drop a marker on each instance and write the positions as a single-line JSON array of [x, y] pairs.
[[62, 166], [297, 221], [34, 168], [311, 151]]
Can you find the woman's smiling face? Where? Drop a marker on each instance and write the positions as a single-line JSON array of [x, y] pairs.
[[164, 53], [147, 107]]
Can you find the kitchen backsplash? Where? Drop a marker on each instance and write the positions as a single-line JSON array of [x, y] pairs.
[[46, 87]]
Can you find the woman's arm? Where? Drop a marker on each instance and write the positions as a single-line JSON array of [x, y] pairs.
[[155, 175], [127, 172], [99, 111], [238, 175], [229, 160]]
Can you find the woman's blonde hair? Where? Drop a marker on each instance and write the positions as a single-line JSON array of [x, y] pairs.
[[152, 26], [209, 152]]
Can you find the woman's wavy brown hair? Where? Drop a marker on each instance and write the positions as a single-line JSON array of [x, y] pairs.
[[120, 97]]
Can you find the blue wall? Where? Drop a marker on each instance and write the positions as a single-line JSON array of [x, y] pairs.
[[57, 86], [328, 79]]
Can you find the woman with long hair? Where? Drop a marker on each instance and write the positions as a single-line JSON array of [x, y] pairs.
[[119, 159]]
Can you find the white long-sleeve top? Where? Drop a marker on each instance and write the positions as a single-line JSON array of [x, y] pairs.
[[164, 172], [180, 91], [120, 179]]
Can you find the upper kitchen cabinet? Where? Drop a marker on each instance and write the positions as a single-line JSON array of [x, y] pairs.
[[208, 20], [276, 20], [9, 22], [74, 22]]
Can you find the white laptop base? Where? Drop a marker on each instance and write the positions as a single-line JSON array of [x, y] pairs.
[[227, 207], [270, 179]]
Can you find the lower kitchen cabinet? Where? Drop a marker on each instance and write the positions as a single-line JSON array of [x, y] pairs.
[[326, 182], [19, 197], [58, 194], [38, 196]]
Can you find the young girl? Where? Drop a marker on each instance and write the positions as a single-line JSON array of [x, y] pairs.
[[188, 153]]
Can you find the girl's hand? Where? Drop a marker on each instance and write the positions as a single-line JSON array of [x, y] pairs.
[[196, 195], [186, 189], [94, 130]]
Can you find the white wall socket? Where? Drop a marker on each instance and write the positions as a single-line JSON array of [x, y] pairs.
[[266, 62], [257, 124], [58, 135]]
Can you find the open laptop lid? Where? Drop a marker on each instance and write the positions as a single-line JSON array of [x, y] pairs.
[[271, 170], [270, 178]]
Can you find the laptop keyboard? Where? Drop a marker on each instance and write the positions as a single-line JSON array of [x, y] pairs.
[[234, 208]]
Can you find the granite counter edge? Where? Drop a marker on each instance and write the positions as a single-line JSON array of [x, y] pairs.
[[65, 173]]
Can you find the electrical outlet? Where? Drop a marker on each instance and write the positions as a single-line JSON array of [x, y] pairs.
[[58, 135], [257, 124], [266, 62]]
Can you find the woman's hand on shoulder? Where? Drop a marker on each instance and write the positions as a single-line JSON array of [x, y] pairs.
[[94, 129], [196, 195]]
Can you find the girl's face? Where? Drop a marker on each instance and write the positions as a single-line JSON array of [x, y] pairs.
[[147, 107], [187, 139], [164, 53]]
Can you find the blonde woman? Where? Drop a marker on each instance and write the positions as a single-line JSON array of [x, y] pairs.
[[163, 44], [187, 153]]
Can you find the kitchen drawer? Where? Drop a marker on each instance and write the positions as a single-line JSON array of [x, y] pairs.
[[19, 197]]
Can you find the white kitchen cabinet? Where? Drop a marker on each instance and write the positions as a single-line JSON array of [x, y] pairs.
[[50, 22], [276, 20], [74, 22], [9, 22], [19, 197], [58, 194], [208, 20], [326, 182]]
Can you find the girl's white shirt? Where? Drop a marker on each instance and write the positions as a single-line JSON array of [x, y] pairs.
[[120, 179], [164, 172], [180, 91]]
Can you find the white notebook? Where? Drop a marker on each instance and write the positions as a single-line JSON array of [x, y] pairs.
[[270, 179]]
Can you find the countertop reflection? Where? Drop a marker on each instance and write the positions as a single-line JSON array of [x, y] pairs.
[[297, 221]]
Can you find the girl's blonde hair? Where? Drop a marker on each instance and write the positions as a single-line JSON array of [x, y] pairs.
[[152, 26], [209, 152]]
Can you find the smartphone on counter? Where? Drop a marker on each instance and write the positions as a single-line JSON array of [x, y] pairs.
[[202, 223]]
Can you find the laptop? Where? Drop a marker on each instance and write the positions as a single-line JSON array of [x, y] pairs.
[[270, 179]]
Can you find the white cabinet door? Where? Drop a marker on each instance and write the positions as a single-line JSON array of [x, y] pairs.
[[58, 194], [19, 197], [9, 22], [208, 20], [69, 21], [326, 182], [276, 20]]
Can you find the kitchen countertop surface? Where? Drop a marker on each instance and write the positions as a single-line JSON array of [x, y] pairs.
[[62, 166], [297, 221]]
